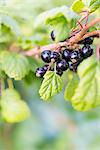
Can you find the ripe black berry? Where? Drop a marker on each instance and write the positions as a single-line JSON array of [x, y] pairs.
[[40, 72], [62, 64], [66, 54], [75, 56], [73, 66], [45, 67], [88, 40], [59, 72], [55, 56], [87, 51], [45, 55], [53, 35]]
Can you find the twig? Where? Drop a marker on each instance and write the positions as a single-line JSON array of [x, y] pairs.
[[81, 27], [70, 43], [79, 35], [37, 50], [93, 33]]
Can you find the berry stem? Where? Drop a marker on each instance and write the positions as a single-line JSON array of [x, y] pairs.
[[81, 27], [87, 15], [55, 67], [51, 63]]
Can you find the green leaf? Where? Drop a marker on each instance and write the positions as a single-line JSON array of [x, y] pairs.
[[13, 109], [60, 19], [86, 2], [5, 34], [34, 63], [53, 14], [15, 65], [51, 85], [87, 94], [93, 28], [78, 6], [11, 23], [61, 29], [71, 87], [92, 4], [88, 65]]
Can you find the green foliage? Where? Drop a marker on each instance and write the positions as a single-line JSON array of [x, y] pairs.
[[71, 87], [78, 6], [87, 94], [61, 29], [46, 128], [13, 109], [34, 64], [5, 34], [14, 65], [51, 85], [92, 4], [11, 23], [60, 19]]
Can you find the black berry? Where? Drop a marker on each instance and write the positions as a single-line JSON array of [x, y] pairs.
[[88, 40], [75, 56], [45, 55], [73, 66], [53, 35], [59, 72], [40, 72], [62, 65], [55, 56], [45, 67], [66, 54], [87, 51]]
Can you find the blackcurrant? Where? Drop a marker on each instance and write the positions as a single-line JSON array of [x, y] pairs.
[[62, 64], [66, 54], [40, 72], [45, 67], [73, 66], [59, 72], [87, 51], [53, 35], [88, 40], [55, 56], [75, 56], [45, 55]]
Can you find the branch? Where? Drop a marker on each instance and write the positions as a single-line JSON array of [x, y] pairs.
[[93, 33], [79, 35], [37, 50], [70, 43]]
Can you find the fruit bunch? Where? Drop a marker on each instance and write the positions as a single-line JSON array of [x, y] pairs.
[[65, 58]]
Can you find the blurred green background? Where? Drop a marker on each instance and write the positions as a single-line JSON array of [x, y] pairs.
[[53, 125]]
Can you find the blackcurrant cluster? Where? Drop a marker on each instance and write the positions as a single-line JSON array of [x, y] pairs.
[[65, 59]]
